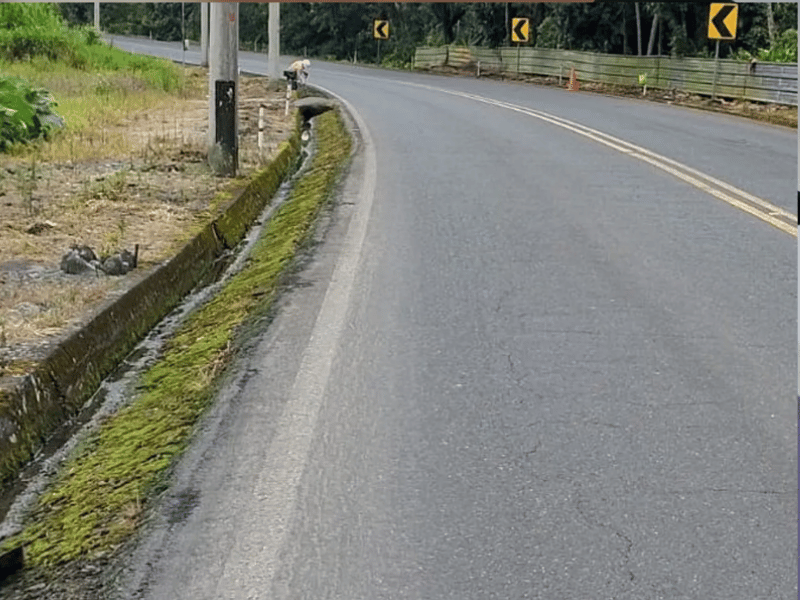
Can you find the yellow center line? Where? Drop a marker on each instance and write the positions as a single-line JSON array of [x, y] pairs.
[[753, 205]]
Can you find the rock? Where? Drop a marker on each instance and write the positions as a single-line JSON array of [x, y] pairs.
[[85, 253], [73, 264], [52, 120], [128, 259], [14, 318], [119, 264], [113, 266], [28, 309]]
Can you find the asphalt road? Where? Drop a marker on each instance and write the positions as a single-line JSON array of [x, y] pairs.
[[527, 361]]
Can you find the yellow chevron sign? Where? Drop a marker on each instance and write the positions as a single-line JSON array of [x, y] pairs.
[[380, 30], [722, 21], [520, 29]]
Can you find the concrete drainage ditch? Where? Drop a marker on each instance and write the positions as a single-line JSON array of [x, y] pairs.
[[90, 373]]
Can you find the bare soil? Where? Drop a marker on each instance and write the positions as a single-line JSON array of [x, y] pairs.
[[154, 197]]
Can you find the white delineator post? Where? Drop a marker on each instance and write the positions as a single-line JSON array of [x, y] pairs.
[[261, 127]]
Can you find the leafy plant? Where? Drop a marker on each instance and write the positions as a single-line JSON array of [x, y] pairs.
[[25, 113], [398, 60], [783, 50]]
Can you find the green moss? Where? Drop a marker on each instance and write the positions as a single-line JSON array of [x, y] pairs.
[[99, 495]]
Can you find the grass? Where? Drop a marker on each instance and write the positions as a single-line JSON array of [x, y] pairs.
[[96, 103], [14, 367], [59, 304], [99, 496]]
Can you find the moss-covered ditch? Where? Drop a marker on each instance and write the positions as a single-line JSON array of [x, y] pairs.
[[99, 496], [33, 406]]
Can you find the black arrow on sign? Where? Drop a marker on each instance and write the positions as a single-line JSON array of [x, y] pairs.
[[719, 18], [380, 29], [518, 29]]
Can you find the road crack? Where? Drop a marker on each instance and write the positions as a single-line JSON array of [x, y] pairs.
[[582, 505]]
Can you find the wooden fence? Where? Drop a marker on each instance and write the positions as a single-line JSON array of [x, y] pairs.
[[762, 82]]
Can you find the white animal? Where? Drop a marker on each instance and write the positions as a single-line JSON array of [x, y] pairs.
[[301, 68]]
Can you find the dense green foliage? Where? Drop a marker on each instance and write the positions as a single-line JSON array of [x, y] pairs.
[[344, 30], [28, 30], [25, 113], [37, 31], [784, 50]]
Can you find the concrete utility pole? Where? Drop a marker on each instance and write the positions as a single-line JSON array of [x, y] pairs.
[[204, 34], [97, 16], [183, 37], [223, 88], [274, 36]]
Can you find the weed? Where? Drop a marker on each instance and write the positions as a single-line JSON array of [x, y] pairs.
[[115, 187], [93, 104], [122, 226], [111, 242], [26, 184]]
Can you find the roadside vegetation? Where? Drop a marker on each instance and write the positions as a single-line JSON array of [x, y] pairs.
[[102, 491], [343, 31], [25, 113], [128, 168], [50, 68]]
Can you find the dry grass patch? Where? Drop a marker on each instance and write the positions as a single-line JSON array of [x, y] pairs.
[[139, 176]]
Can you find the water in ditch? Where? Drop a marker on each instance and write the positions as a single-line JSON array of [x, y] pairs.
[[118, 389]]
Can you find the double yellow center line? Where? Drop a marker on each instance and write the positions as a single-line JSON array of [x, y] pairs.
[[753, 205]]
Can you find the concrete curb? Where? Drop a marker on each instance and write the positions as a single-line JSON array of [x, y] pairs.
[[32, 409]]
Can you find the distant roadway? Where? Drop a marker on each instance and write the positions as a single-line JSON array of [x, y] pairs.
[[546, 350]]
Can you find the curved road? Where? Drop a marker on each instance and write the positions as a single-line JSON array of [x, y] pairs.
[[546, 350]]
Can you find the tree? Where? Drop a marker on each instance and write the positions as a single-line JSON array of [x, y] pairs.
[[342, 30], [483, 24], [770, 23], [447, 15], [652, 38], [253, 20], [77, 13]]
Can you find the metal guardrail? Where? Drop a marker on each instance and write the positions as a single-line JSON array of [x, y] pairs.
[[758, 81]]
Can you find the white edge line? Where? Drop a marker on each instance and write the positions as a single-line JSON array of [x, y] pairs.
[[265, 530]]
